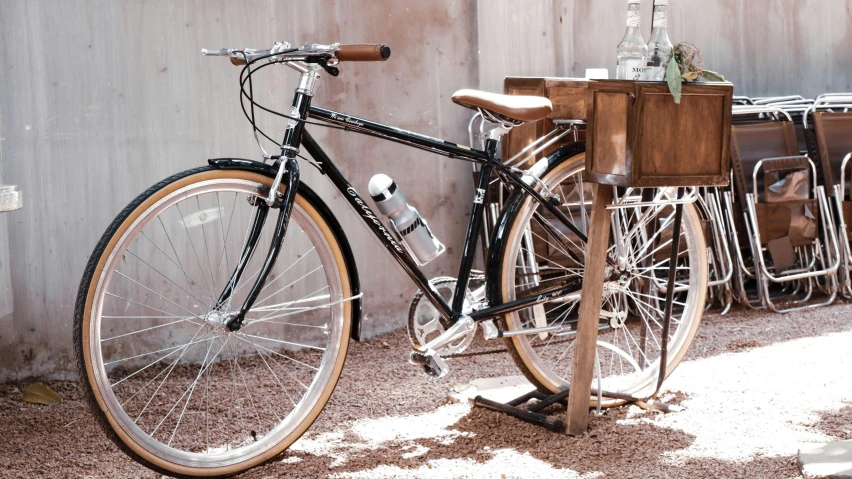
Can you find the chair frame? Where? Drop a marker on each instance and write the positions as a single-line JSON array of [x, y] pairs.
[[831, 102], [818, 260]]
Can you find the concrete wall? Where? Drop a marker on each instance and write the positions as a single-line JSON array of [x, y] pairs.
[[102, 99], [765, 47]]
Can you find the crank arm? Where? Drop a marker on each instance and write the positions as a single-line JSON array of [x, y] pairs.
[[462, 327], [427, 357], [277, 239]]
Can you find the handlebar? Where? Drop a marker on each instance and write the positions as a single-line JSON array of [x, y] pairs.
[[297, 58], [363, 52]]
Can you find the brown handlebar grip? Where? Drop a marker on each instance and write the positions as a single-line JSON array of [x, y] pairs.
[[363, 52], [238, 60]]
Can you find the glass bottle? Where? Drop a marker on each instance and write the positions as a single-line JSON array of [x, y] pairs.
[[632, 51], [659, 46]]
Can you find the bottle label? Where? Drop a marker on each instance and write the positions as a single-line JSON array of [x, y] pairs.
[[660, 20], [636, 69], [634, 19]]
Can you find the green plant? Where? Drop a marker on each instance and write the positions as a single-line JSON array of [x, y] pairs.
[[688, 65]]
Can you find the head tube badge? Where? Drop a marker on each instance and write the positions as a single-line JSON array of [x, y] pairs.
[[479, 198], [294, 117]]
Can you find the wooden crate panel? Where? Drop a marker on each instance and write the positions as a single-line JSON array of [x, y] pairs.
[[568, 96], [638, 136], [611, 156]]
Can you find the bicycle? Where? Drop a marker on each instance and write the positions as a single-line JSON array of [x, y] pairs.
[[195, 367]]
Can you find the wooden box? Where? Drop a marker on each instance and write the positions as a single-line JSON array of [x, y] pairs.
[[568, 96], [636, 135]]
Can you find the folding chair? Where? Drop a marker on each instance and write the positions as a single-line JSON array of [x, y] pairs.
[[721, 267], [776, 99], [786, 231], [828, 124], [743, 100], [797, 109]]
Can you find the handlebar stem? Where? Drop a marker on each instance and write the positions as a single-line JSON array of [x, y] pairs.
[[309, 78]]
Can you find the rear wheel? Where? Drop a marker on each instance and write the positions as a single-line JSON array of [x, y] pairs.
[[536, 254], [170, 384]]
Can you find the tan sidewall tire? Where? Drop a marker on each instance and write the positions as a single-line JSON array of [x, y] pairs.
[[514, 345], [137, 449]]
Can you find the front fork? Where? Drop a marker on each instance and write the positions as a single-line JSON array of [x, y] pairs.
[[287, 163], [291, 166]]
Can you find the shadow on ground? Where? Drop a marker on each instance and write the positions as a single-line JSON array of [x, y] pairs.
[[386, 420]]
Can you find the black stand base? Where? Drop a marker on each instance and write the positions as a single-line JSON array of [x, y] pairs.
[[530, 414]]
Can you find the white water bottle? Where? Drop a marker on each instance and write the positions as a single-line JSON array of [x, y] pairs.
[[411, 229]]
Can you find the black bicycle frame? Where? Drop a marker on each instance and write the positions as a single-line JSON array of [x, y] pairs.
[[297, 136], [452, 150]]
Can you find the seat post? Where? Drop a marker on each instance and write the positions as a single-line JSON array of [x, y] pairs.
[[498, 131], [500, 128], [491, 147]]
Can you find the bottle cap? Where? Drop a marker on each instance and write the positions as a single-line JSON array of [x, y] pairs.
[[381, 187], [661, 2], [631, 2]]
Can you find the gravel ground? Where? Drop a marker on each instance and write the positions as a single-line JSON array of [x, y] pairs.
[[754, 387]]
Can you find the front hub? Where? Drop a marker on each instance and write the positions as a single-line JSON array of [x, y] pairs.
[[217, 319]]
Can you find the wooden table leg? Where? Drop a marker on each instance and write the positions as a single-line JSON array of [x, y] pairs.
[[589, 313]]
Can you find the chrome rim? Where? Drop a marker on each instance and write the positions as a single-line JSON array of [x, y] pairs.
[[176, 381], [629, 341]]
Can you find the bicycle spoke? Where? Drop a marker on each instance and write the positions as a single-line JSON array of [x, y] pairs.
[[191, 391], [171, 368], [158, 294], [191, 243], [269, 282], [179, 263], [153, 363], [259, 302], [281, 341], [206, 246], [191, 388], [300, 299], [145, 305], [165, 277], [640, 240], [182, 320], [286, 393], [276, 353]]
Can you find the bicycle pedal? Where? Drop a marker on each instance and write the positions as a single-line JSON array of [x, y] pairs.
[[430, 361]]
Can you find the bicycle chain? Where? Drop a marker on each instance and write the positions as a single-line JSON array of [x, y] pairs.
[[477, 275], [495, 351]]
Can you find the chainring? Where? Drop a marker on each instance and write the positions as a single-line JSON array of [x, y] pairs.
[[424, 322]]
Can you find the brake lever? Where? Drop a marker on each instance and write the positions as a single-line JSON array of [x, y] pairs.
[[323, 62], [333, 71]]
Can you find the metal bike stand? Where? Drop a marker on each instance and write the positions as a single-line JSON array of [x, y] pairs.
[[587, 328], [630, 144]]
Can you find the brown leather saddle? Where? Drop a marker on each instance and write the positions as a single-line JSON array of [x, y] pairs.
[[516, 108]]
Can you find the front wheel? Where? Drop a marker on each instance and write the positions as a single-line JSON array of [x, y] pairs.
[[170, 384], [537, 253]]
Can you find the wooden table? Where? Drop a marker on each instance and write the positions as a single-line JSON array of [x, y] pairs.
[[634, 138], [585, 343]]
